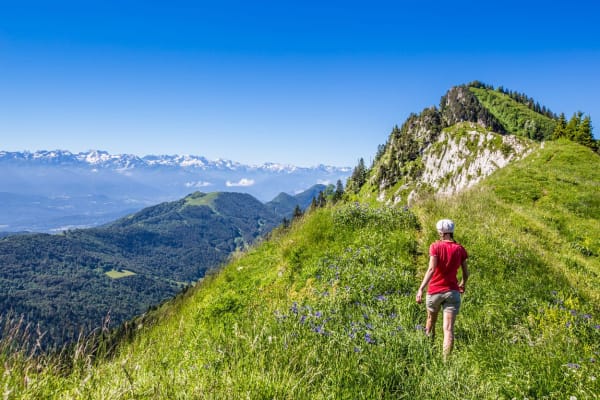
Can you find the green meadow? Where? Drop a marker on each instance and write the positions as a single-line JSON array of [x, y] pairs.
[[113, 273], [325, 308]]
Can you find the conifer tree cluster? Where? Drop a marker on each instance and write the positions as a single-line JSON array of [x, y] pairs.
[[358, 177], [331, 194], [578, 129]]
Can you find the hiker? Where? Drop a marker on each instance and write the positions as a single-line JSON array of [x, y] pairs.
[[444, 291]]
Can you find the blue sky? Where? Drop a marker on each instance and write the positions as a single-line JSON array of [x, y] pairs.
[[274, 81]]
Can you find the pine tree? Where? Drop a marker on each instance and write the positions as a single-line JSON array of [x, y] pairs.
[[339, 191], [297, 212], [321, 201], [560, 129], [573, 125], [584, 133]]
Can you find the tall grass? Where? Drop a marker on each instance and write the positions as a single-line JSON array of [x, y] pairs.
[[325, 309]]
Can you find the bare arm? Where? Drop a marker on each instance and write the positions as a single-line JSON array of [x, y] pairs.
[[432, 265], [465, 275]]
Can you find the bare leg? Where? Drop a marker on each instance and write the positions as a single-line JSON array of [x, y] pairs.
[[430, 325], [449, 319]]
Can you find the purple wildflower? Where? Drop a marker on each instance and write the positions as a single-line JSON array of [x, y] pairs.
[[356, 349], [572, 365], [573, 312], [419, 327], [369, 326], [303, 319], [318, 314], [381, 298], [319, 329], [294, 308], [369, 339], [586, 316]]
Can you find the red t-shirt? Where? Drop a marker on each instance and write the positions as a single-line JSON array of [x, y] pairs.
[[450, 256]]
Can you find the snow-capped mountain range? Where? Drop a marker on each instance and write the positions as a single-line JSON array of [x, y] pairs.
[[54, 190], [103, 159]]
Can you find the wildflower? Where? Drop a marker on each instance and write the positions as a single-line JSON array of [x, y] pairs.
[[573, 312], [572, 365], [294, 308], [419, 327], [303, 319], [586, 316], [597, 326], [356, 349], [381, 298], [318, 314], [369, 326], [369, 339], [319, 329]]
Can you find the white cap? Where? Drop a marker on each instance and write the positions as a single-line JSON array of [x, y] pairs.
[[445, 226]]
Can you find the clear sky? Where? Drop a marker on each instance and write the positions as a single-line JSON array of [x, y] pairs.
[[299, 82]]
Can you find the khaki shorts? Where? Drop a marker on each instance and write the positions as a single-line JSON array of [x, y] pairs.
[[449, 301]]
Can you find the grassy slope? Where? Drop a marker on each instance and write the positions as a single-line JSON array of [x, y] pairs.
[[326, 310], [516, 118]]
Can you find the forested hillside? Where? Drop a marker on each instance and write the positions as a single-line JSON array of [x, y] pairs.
[[72, 282]]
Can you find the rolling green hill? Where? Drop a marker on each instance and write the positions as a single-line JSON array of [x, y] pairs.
[[326, 308], [72, 282]]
